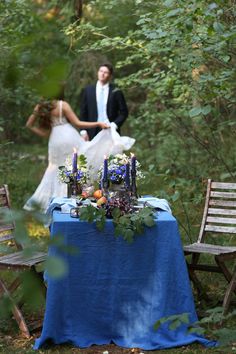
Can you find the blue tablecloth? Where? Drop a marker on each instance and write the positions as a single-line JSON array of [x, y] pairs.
[[115, 291]]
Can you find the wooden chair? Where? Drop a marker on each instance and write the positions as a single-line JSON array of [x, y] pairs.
[[219, 217], [15, 262]]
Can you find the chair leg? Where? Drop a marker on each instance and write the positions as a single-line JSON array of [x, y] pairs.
[[14, 285], [227, 274], [16, 311], [201, 293], [229, 292], [39, 276]]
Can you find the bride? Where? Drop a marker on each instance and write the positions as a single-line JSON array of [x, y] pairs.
[[57, 120]]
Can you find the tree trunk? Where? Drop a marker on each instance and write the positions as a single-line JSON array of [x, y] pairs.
[[78, 6]]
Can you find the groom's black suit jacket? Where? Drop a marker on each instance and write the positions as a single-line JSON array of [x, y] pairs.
[[117, 110]]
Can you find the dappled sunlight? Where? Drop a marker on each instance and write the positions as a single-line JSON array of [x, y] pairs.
[[37, 230]]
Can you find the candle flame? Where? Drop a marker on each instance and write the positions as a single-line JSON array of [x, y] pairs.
[[74, 150], [105, 157]]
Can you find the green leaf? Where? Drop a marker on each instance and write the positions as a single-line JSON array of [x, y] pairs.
[[169, 3], [128, 235], [123, 220], [56, 267], [175, 12], [176, 196], [184, 318], [197, 330], [218, 27], [139, 229], [160, 322], [175, 324], [145, 211], [195, 112], [157, 325], [226, 58], [118, 230], [148, 221], [116, 213], [206, 109], [213, 6]]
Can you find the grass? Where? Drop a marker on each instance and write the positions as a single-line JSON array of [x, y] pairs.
[[23, 168]]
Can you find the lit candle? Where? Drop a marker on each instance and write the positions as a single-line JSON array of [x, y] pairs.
[[74, 162], [127, 177]]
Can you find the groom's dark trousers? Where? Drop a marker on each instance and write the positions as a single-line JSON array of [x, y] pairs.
[[117, 110]]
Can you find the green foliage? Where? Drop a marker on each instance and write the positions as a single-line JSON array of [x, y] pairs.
[[174, 60], [214, 324], [91, 214], [30, 44], [174, 321], [56, 267], [21, 169], [211, 324], [127, 225], [132, 224], [177, 60]]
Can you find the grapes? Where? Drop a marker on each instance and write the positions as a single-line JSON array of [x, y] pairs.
[[118, 202]]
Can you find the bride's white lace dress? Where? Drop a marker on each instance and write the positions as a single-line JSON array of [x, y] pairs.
[[63, 138]]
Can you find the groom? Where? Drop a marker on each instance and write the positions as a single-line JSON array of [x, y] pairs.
[[102, 102]]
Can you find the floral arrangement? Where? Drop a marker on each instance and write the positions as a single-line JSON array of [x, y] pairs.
[[120, 168], [74, 170]]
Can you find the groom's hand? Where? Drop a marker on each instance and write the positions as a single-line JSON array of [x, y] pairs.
[[104, 125]]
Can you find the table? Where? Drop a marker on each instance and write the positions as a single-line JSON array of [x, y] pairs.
[[115, 291]]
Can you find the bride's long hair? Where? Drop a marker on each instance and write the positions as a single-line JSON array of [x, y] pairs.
[[44, 113]]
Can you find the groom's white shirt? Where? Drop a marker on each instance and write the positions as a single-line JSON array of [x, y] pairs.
[[102, 105]]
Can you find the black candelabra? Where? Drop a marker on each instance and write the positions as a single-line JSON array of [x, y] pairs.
[[105, 186], [75, 187], [133, 184]]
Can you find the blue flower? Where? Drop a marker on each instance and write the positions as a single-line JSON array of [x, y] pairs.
[[80, 175]]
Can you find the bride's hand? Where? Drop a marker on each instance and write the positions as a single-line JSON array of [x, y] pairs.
[[103, 125]]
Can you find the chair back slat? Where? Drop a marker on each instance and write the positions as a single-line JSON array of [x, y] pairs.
[[222, 185], [223, 195], [224, 229], [217, 220], [220, 209], [220, 202], [216, 211], [6, 228], [5, 237]]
